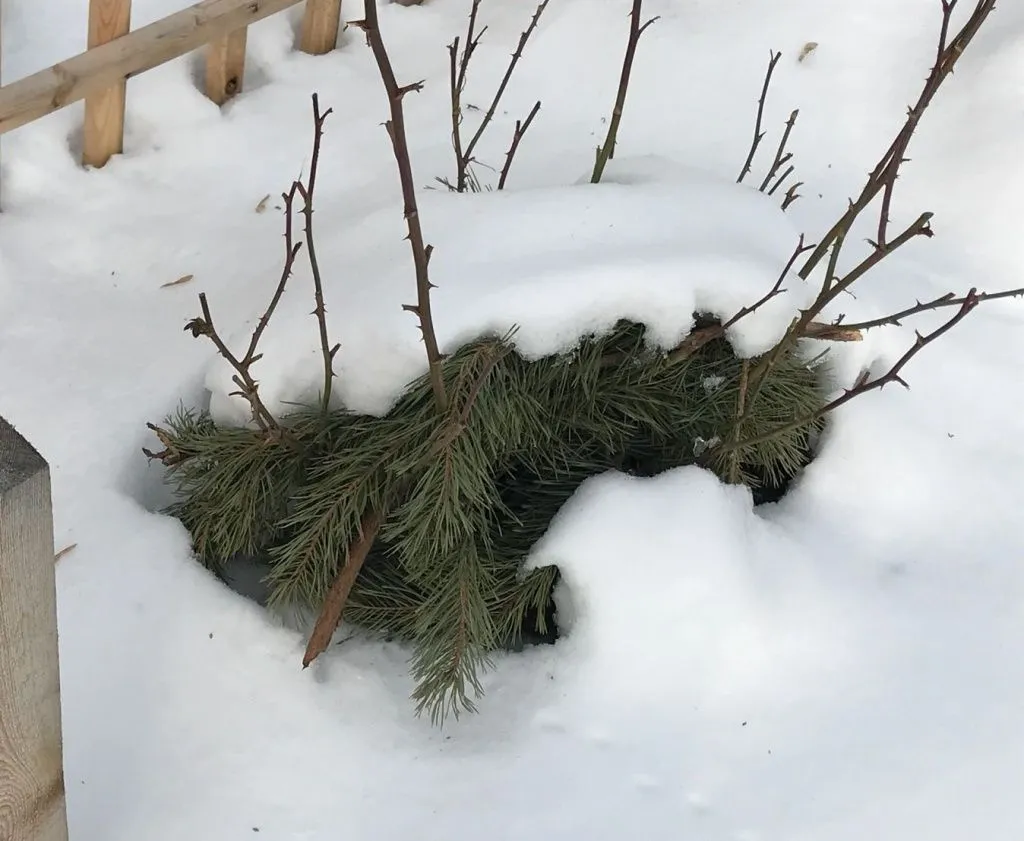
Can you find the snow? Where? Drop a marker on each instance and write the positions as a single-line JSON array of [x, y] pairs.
[[846, 664]]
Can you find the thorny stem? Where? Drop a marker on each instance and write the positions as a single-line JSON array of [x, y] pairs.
[[606, 152], [320, 311], [865, 383], [947, 300], [517, 136], [781, 155], [400, 145], [291, 250], [883, 176], [758, 131], [247, 386], [467, 156], [458, 67]]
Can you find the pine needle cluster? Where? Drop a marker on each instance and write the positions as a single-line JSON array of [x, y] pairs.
[[464, 495]]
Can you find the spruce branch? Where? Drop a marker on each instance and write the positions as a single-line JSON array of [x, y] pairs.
[[773, 59], [517, 136], [337, 596], [606, 151], [882, 178], [400, 145], [320, 311]]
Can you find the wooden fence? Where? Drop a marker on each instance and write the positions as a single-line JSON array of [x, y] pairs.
[[116, 53], [31, 756]]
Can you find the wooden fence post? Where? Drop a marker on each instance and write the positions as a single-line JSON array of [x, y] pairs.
[[320, 25], [31, 755], [104, 111], [225, 65]]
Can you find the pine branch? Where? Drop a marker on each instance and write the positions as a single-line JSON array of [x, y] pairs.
[[606, 151], [400, 145], [337, 596]]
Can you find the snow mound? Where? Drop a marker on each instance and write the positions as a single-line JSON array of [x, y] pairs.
[[554, 264]]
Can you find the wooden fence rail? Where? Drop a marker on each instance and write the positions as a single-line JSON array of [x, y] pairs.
[[116, 53], [31, 755]]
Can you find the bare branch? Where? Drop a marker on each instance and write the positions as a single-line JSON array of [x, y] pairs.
[[758, 131], [400, 146], [457, 76], [883, 176], [947, 300], [781, 155], [517, 136], [865, 383], [306, 191], [606, 152]]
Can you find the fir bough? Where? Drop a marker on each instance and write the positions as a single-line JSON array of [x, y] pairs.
[[465, 494]]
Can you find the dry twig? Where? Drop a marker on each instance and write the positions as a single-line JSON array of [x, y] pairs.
[[400, 145], [606, 151], [517, 136], [458, 67]]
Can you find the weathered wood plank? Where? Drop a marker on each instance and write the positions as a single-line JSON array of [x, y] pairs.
[[225, 66], [69, 81], [103, 134], [31, 756], [320, 24]]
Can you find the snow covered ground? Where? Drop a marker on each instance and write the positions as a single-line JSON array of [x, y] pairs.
[[847, 664]]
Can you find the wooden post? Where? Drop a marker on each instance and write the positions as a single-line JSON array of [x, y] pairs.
[[225, 66], [320, 25], [104, 111], [31, 756]]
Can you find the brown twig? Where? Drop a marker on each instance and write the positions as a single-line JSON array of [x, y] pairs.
[[400, 145], [607, 151], [458, 68], [517, 136], [700, 337], [320, 311], [247, 386], [773, 59], [781, 155], [334, 603], [791, 195], [865, 383], [947, 300], [883, 177]]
